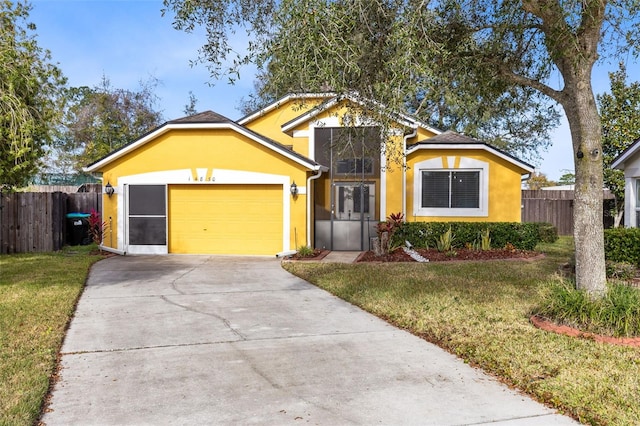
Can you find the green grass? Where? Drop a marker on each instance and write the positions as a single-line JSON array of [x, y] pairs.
[[480, 312], [38, 293]]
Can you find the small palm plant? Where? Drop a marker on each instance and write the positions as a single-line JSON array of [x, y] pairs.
[[305, 251], [444, 243], [485, 240]]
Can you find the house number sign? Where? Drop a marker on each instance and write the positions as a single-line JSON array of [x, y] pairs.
[[201, 175]]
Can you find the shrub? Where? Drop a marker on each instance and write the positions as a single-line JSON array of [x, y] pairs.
[[305, 251], [620, 270], [445, 241], [622, 245], [523, 236], [617, 313], [485, 240], [96, 227], [548, 233], [386, 230]]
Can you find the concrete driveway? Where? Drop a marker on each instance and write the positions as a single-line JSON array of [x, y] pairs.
[[233, 340]]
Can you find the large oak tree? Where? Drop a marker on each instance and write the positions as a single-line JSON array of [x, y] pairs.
[[491, 48]]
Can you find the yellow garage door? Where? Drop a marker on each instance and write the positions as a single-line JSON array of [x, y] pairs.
[[225, 219]]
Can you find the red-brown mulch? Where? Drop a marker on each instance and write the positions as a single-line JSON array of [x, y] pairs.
[[459, 254], [546, 325], [318, 254]]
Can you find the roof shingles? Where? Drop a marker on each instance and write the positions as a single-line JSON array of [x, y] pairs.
[[202, 117]]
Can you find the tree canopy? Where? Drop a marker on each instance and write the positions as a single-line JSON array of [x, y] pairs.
[[98, 120], [385, 50], [367, 47], [29, 96], [620, 113], [539, 180]]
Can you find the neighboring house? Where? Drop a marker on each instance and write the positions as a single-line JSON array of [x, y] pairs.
[[291, 175], [629, 162]]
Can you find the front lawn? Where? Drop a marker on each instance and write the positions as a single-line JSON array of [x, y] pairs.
[[480, 312], [38, 293]]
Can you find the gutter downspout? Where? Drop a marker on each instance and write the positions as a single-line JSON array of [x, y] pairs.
[[404, 171], [112, 250], [309, 179]]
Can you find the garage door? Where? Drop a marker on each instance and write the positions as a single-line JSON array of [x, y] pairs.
[[225, 219]]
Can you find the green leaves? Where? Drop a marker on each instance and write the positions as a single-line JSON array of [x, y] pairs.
[[405, 55], [102, 119], [622, 245], [29, 97], [620, 115]]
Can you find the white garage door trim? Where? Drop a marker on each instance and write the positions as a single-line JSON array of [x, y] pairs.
[[199, 176]]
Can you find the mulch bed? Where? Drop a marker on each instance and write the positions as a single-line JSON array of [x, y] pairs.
[[318, 254], [547, 325], [459, 254]]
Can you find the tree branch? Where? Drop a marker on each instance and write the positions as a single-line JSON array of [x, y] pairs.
[[556, 95]]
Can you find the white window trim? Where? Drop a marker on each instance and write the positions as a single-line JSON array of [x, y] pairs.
[[446, 164]]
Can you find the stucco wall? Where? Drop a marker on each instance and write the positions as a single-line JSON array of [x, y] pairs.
[[504, 185], [197, 156]]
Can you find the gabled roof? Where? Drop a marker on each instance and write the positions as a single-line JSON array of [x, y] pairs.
[[402, 119], [202, 117], [282, 101], [618, 162], [450, 139], [204, 120]]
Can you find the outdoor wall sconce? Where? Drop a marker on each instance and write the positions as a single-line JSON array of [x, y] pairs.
[[109, 190], [294, 189]]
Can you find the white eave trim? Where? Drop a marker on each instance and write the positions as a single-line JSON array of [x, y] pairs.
[[190, 126], [487, 148], [401, 119], [619, 162], [308, 115], [280, 102]]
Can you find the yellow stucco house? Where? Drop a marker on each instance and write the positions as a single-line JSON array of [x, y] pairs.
[[291, 175]]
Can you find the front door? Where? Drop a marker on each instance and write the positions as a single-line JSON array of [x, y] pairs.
[[146, 219], [352, 222], [345, 201], [354, 205]]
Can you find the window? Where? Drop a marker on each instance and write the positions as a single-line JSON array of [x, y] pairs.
[[353, 198], [443, 190], [355, 166], [451, 189]]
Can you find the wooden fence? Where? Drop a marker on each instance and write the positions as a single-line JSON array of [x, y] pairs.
[[556, 207], [36, 222]]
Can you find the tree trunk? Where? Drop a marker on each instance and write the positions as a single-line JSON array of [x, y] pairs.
[[586, 134]]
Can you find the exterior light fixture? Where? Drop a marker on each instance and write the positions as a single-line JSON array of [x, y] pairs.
[[109, 190], [294, 189]]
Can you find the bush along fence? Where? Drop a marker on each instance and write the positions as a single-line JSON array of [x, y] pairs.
[[622, 245], [36, 222], [522, 236]]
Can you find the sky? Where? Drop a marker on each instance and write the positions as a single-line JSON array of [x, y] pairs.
[[129, 41]]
